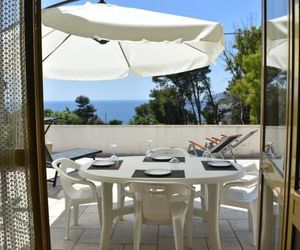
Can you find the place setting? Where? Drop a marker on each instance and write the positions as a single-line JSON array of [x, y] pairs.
[[218, 165], [158, 173], [105, 164], [112, 163], [150, 156], [170, 171]]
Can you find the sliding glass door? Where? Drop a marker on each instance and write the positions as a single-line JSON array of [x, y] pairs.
[[276, 108]]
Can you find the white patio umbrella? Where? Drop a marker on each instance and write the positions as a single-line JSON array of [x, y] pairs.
[[277, 42], [103, 42]]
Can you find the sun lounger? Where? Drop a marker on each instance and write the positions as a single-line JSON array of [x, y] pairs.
[[217, 149], [221, 146]]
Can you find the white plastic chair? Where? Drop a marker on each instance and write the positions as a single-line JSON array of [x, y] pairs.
[[75, 195], [163, 204], [244, 193], [123, 190], [179, 152]]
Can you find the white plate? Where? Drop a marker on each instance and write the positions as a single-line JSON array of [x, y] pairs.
[[162, 157], [158, 172], [219, 164], [102, 163]]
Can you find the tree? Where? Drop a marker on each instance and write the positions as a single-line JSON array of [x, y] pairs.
[[244, 64], [86, 111], [115, 122], [84, 114], [192, 86], [67, 116], [168, 106], [144, 116]]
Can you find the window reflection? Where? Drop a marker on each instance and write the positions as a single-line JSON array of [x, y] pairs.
[[276, 84], [271, 217]]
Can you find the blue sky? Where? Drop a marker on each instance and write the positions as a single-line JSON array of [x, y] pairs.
[[231, 13]]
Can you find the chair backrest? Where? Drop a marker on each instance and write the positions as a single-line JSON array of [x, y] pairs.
[[224, 143], [176, 152], [154, 200], [62, 165], [243, 138]]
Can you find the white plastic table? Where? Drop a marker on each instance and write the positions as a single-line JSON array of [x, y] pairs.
[[194, 174]]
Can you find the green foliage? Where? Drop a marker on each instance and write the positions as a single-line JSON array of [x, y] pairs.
[[84, 114], [48, 113], [191, 87], [67, 116], [115, 122], [86, 111], [167, 106], [245, 66], [276, 91], [144, 116]]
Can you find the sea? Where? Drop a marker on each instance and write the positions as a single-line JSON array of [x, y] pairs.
[[107, 110]]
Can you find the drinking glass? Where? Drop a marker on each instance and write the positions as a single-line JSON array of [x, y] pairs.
[[114, 157], [175, 163], [149, 148]]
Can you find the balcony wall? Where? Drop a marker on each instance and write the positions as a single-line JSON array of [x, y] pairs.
[[133, 139]]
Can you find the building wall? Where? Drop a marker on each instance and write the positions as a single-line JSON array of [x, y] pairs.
[[133, 139]]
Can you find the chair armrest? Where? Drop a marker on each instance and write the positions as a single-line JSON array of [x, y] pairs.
[[198, 145], [78, 180], [215, 138], [239, 183], [91, 185], [212, 139]]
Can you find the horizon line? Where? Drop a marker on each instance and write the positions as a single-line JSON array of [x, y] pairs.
[[99, 100]]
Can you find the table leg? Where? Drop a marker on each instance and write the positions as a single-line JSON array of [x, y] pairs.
[[107, 215], [213, 215]]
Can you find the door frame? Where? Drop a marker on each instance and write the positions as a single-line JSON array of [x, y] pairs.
[[34, 89], [294, 196]]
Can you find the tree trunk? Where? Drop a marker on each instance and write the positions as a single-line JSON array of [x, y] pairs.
[[197, 101]]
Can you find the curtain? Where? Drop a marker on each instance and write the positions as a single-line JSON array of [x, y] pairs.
[[16, 217]]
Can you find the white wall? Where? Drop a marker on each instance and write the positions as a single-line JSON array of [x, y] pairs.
[[133, 139]]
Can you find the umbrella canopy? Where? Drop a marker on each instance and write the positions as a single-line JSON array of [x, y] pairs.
[[104, 42], [277, 42]]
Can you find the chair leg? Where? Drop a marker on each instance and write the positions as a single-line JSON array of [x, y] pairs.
[[54, 179], [67, 218], [189, 227], [75, 215], [250, 219], [254, 212], [178, 233], [99, 204], [233, 156], [120, 197], [137, 231], [204, 200]]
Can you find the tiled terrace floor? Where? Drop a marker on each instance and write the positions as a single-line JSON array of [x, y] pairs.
[[233, 229]]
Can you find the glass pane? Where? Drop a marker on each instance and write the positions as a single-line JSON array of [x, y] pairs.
[[276, 84], [271, 218]]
